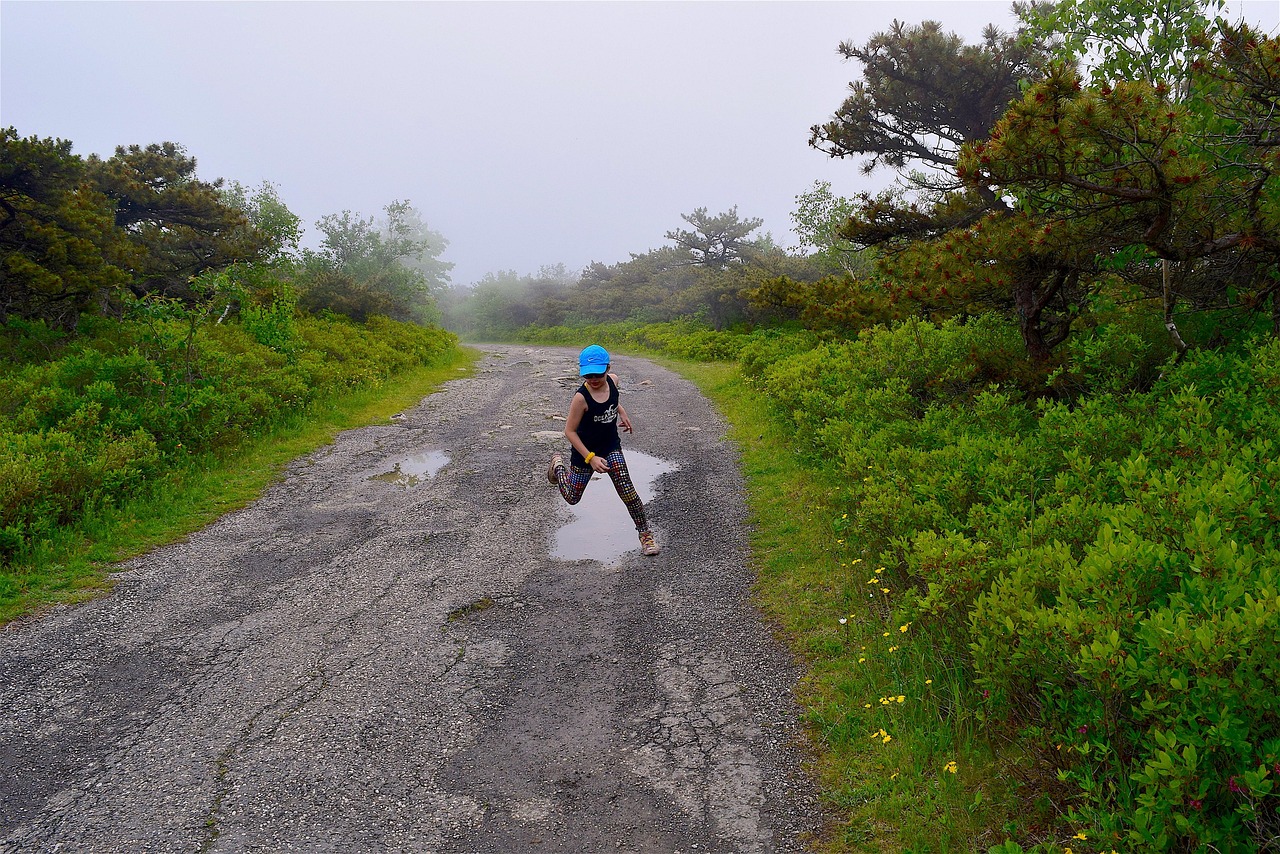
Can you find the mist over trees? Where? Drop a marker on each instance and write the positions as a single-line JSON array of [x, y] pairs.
[[364, 267], [715, 241], [1025, 186], [506, 301], [703, 276]]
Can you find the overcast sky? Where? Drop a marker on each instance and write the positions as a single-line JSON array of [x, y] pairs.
[[527, 134]]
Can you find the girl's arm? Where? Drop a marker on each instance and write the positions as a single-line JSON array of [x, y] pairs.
[[623, 420], [578, 408]]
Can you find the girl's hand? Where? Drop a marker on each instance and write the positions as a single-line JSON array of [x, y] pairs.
[[624, 422], [599, 464]]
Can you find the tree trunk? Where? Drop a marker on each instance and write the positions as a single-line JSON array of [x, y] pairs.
[[1029, 311], [1275, 313], [1169, 302], [1032, 291]]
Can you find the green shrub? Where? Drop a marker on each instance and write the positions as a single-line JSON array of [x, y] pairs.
[[273, 326], [98, 417], [1100, 573], [680, 339]]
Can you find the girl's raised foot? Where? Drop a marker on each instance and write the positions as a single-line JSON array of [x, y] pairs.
[[648, 545], [556, 462]]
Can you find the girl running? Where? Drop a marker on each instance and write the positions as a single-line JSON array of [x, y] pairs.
[[592, 429]]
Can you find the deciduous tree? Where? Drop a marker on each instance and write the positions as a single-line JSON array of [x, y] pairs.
[[279, 228], [818, 221], [369, 267], [1155, 41]]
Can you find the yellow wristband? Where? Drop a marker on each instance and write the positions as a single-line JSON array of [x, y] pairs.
[[591, 455]]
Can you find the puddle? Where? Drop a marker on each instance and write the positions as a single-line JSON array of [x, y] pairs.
[[601, 528], [413, 470]]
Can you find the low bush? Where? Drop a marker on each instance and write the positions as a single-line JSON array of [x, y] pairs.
[[680, 339], [95, 418], [1095, 579]]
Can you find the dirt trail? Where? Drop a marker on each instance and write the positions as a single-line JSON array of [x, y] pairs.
[[352, 665]]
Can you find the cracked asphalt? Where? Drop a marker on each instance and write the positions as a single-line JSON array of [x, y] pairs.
[[351, 665]]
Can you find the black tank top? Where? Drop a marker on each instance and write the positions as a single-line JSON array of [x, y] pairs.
[[598, 428]]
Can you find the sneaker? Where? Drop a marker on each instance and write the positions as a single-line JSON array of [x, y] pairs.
[[647, 544], [556, 462]]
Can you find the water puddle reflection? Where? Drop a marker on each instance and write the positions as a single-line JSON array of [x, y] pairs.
[[413, 470], [601, 528]]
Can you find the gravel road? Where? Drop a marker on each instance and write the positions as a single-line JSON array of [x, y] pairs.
[[351, 664]]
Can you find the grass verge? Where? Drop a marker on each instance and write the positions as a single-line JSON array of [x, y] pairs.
[[75, 564], [897, 770]]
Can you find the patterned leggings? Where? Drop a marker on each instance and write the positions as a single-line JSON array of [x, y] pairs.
[[573, 481]]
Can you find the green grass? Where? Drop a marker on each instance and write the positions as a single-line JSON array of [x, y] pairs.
[[76, 563], [881, 796]]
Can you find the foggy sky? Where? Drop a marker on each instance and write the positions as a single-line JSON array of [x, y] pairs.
[[528, 134]]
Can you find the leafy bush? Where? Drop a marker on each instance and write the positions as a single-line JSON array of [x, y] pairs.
[[688, 340], [273, 325], [96, 418], [1101, 574], [681, 339]]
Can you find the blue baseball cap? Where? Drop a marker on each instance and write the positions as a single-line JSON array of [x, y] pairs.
[[593, 360]]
